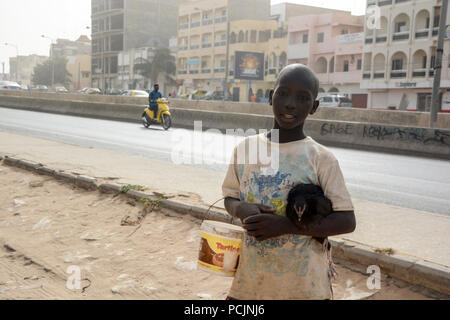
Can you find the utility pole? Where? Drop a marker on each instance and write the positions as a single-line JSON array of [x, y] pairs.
[[438, 65], [227, 72], [3, 71]]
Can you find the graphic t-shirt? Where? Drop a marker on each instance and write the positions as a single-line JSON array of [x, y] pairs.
[[289, 267]]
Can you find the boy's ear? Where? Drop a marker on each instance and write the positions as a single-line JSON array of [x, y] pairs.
[[315, 107], [271, 96]]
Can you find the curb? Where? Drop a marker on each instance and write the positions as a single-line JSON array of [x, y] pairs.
[[414, 271]]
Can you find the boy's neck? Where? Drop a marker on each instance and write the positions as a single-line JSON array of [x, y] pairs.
[[288, 135]]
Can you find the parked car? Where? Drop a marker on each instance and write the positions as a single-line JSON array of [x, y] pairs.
[[115, 92], [197, 94], [93, 91], [82, 90], [61, 90], [40, 88], [215, 95], [9, 85], [136, 93], [335, 101]]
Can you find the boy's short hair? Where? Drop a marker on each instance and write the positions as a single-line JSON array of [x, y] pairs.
[[307, 71]]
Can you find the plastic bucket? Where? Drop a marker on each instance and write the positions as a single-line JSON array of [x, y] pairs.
[[220, 247]]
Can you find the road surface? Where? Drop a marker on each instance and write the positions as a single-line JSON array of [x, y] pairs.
[[405, 181]]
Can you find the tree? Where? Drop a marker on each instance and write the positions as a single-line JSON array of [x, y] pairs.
[[42, 73], [163, 62]]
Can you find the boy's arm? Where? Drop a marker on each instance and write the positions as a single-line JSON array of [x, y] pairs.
[[242, 210], [266, 226]]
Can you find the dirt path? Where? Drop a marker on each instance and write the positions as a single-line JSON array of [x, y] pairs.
[[48, 229]]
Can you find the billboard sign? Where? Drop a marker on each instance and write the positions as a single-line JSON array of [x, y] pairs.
[[249, 65]]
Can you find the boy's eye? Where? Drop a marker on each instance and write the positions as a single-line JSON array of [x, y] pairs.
[[303, 98]]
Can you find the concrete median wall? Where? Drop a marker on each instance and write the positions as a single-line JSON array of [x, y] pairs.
[[365, 135], [385, 117]]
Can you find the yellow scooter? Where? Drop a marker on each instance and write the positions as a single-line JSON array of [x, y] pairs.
[[164, 117]]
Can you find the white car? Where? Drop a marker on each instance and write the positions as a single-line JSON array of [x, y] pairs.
[[135, 93], [335, 101], [9, 85]]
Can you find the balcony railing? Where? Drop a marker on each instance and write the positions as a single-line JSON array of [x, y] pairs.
[[385, 3], [366, 75], [397, 36], [380, 39], [207, 22], [220, 43], [182, 71], [206, 45], [221, 19], [398, 74], [193, 71], [419, 73], [183, 26], [195, 24], [369, 40], [422, 33], [206, 70], [195, 46], [378, 75]]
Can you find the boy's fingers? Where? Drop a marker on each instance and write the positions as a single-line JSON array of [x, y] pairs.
[[266, 209]]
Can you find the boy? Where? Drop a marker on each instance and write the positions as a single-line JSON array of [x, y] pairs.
[[280, 261]]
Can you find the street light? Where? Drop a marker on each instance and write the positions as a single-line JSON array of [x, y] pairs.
[[17, 60], [52, 57]]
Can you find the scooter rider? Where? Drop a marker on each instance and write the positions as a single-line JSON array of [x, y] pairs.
[[152, 99]]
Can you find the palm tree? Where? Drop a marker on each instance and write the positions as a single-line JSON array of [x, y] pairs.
[[163, 62]]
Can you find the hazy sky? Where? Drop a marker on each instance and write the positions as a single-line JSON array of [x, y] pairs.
[[22, 22]]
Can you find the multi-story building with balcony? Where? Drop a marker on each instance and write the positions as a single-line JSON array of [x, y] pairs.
[[331, 44], [121, 25], [399, 56], [203, 41]]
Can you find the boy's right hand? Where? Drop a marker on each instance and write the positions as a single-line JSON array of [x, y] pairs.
[[243, 210]]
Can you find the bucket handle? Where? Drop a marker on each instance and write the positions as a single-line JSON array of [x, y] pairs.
[[209, 209]]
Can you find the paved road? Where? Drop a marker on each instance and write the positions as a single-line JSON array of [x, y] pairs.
[[410, 182]]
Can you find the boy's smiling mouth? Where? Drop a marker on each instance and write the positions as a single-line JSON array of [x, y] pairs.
[[286, 116]]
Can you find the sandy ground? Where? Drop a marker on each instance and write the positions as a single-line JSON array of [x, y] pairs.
[[48, 229]]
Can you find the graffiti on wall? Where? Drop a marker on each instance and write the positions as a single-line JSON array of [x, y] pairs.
[[382, 133]]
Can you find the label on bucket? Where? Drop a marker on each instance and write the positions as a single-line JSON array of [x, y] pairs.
[[219, 254]]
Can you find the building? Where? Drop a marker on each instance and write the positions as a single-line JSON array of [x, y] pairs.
[[267, 37], [331, 44], [121, 25], [203, 44], [79, 66], [129, 79], [66, 48], [26, 67], [399, 56], [284, 11]]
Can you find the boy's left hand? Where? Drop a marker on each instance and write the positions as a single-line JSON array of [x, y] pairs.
[[266, 226]]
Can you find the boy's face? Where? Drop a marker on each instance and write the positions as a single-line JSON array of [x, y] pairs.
[[293, 100]]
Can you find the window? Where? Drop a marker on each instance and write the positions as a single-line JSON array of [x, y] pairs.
[[397, 64], [305, 38], [327, 99], [320, 37], [344, 31], [359, 65], [400, 26], [346, 65]]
